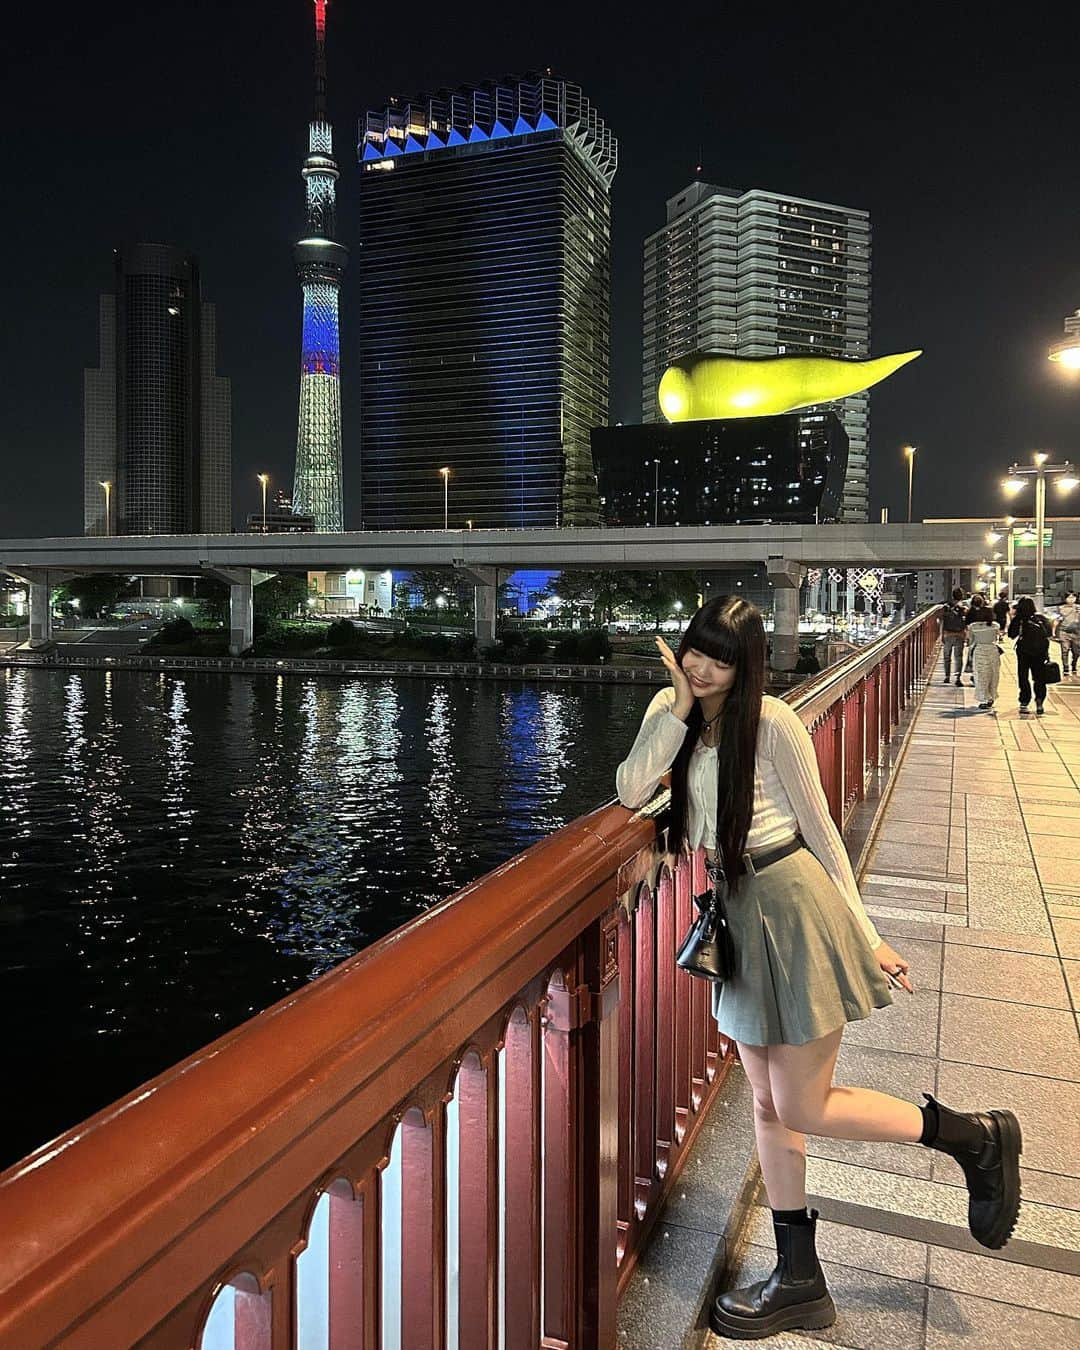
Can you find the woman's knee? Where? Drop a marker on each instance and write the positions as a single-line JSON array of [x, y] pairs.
[[797, 1114], [765, 1108]]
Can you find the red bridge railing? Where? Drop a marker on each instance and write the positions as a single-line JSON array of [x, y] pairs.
[[456, 1140]]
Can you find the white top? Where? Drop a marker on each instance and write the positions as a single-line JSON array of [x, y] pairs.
[[788, 796], [983, 634]]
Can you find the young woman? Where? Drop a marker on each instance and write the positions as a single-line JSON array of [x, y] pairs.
[[1032, 634], [745, 786], [983, 634]]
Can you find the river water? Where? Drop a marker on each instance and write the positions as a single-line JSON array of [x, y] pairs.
[[179, 851]]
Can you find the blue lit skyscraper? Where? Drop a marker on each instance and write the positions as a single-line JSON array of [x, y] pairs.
[[485, 216], [320, 262]]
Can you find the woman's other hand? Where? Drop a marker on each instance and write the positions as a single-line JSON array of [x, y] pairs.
[[684, 695], [892, 963]]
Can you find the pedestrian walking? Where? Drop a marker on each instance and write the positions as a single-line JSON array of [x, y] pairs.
[[1067, 632], [745, 787], [953, 633], [1001, 610], [983, 635], [1032, 634], [976, 604]]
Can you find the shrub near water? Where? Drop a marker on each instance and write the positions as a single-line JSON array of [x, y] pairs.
[[175, 632], [587, 645]]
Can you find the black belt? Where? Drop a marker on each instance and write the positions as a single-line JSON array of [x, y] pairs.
[[752, 863], [757, 862]]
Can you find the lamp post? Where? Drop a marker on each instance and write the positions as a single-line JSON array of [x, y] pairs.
[[1066, 479], [264, 479], [909, 451], [656, 493], [107, 485], [1067, 352], [446, 497]]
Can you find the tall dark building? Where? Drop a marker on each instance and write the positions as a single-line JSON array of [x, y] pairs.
[[157, 436], [739, 471], [484, 305]]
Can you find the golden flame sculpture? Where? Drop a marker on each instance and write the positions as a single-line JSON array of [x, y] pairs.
[[707, 385]]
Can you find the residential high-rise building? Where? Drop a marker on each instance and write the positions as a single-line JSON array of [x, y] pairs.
[[156, 415], [761, 274], [484, 305], [320, 262]]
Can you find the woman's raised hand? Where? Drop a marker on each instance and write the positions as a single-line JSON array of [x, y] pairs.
[[684, 695]]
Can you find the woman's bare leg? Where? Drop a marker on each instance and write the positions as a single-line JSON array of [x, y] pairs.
[[781, 1152], [800, 1078]]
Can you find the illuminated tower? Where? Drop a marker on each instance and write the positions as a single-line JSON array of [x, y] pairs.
[[320, 261]]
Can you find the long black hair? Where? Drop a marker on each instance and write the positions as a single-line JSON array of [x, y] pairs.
[[728, 629]]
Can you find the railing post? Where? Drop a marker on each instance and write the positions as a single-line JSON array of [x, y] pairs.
[[598, 1067]]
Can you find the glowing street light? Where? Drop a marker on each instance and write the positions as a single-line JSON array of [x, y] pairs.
[[264, 479], [107, 485], [446, 497], [1066, 353], [909, 451], [1066, 478]]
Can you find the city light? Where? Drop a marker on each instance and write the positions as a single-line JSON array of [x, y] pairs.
[[1067, 354], [909, 452], [107, 485], [1012, 485]]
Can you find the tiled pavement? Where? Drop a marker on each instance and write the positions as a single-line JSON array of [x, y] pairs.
[[975, 879]]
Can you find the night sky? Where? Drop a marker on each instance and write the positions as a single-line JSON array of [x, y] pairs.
[[186, 123]]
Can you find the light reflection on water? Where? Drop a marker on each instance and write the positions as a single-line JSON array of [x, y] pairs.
[[178, 853]]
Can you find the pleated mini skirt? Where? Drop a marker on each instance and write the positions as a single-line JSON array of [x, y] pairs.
[[804, 965]]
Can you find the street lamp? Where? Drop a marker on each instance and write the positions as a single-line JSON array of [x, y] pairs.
[[1017, 479], [656, 493], [1067, 352], [446, 497], [909, 451], [107, 485], [264, 479]]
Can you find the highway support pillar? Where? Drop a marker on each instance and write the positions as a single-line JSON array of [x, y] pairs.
[[485, 598], [241, 606], [786, 578], [40, 582]]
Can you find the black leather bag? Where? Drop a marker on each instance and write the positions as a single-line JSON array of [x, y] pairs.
[[708, 949], [1051, 673]]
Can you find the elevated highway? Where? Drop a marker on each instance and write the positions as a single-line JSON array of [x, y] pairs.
[[479, 555]]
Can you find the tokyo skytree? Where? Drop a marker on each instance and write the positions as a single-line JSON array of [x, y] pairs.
[[320, 262]]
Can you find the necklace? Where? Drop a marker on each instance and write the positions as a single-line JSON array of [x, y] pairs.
[[707, 724]]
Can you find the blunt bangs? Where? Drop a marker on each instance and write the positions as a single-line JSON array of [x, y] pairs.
[[718, 630]]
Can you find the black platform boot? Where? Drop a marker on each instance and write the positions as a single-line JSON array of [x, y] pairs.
[[793, 1296], [987, 1145]]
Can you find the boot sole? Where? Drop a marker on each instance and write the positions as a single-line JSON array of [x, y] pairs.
[[1012, 1146], [813, 1316]]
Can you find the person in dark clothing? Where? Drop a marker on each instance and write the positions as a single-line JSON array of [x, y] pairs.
[[1001, 610], [953, 634], [1032, 634]]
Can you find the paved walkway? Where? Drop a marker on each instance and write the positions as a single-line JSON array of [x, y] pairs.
[[975, 878]]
